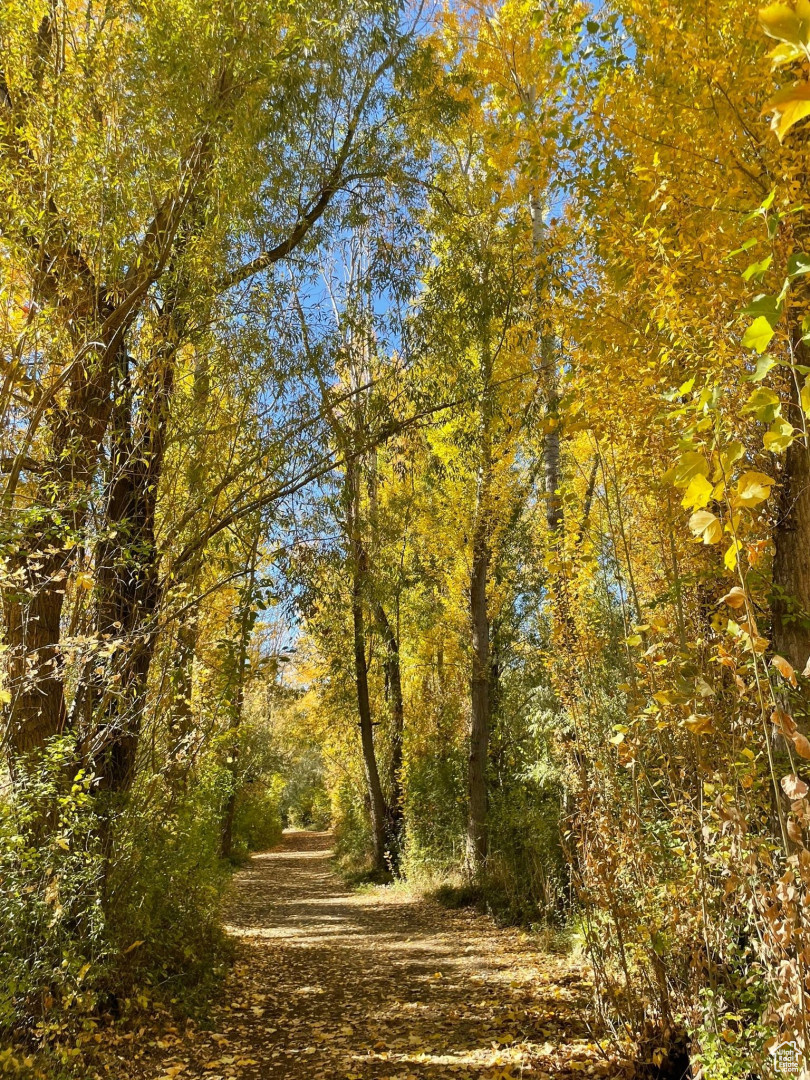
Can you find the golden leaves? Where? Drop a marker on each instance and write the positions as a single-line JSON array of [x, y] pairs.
[[787, 24], [786, 726], [698, 493], [752, 488], [758, 334], [788, 107], [706, 525]]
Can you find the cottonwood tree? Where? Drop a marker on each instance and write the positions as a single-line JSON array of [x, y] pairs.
[[116, 278]]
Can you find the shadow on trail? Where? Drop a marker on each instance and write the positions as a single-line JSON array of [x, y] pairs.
[[335, 983]]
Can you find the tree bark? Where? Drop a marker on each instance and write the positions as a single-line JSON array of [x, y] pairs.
[[480, 701], [790, 600], [393, 672], [33, 613], [359, 562], [238, 701], [110, 697], [42, 552]]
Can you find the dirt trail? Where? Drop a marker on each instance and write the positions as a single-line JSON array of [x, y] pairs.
[[344, 985]]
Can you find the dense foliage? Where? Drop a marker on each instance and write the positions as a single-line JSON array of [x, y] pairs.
[[405, 431]]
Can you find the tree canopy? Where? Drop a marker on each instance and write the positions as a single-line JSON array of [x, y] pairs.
[[405, 431]]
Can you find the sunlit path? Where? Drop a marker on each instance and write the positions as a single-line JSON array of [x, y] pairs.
[[352, 985]]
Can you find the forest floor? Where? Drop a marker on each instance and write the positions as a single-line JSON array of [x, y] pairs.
[[339, 984]]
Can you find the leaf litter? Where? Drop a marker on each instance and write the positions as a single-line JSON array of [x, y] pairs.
[[335, 984]]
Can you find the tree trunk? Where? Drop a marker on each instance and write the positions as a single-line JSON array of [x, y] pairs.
[[480, 702], [42, 552], [111, 701], [33, 614], [359, 561], [790, 601], [394, 809], [246, 619], [548, 373]]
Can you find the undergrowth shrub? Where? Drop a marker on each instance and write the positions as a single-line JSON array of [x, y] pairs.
[[257, 822], [305, 803], [525, 880], [52, 924], [352, 829], [164, 889], [85, 935], [435, 808], [525, 877]]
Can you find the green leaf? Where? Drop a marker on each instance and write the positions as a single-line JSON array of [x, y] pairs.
[[764, 365], [798, 264], [764, 404], [744, 246], [758, 334], [757, 269], [768, 306], [779, 436]]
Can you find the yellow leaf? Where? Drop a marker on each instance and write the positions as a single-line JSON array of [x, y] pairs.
[[788, 107], [730, 557], [786, 53], [760, 332], [689, 464], [779, 436], [704, 523], [752, 488], [698, 725], [802, 745], [698, 493], [784, 23]]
